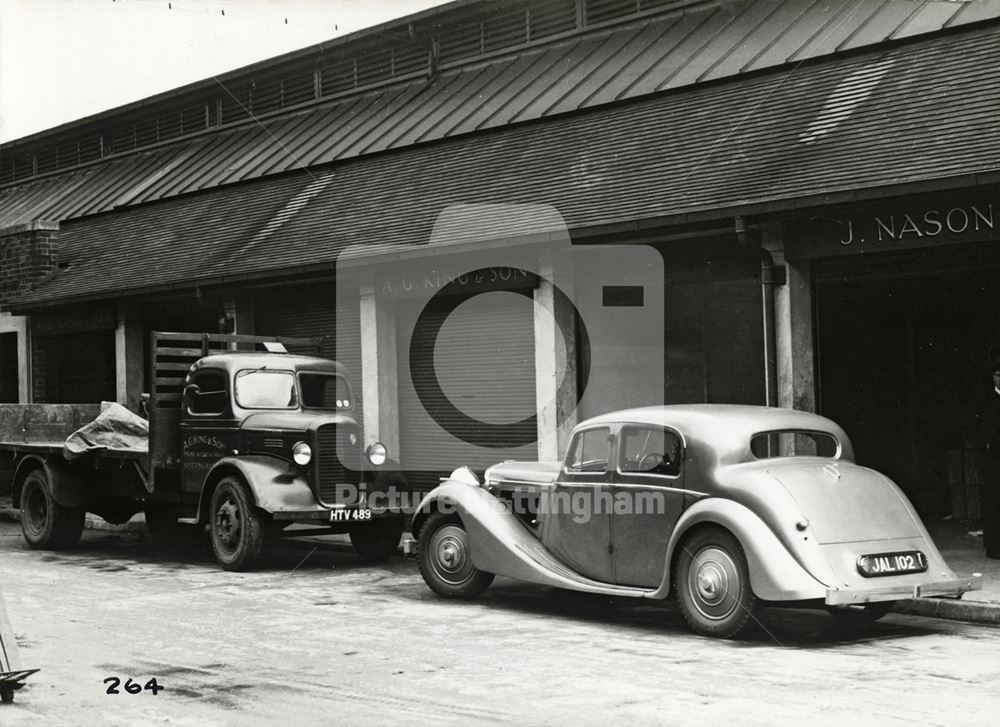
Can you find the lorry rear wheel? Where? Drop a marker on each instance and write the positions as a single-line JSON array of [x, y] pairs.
[[377, 541], [45, 523], [238, 527], [445, 560]]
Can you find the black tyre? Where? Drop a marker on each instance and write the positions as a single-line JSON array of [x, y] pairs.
[[45, 523], [445, 560], [713, 584], [378, 540], [855, 618], [238, 527]]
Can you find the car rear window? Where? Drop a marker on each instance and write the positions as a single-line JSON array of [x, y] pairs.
[[794, 443]]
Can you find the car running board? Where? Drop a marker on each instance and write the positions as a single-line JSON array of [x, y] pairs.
[[550, 571]]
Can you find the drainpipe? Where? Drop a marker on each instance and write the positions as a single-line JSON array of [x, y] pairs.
[[770, 276]]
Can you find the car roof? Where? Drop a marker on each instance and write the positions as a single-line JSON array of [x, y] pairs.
[[724, 426], [239, 360]]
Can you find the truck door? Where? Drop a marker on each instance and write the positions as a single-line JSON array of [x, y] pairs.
[[208, 427]]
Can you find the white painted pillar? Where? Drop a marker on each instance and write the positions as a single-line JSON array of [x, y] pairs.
[[379, 371], [129, 345], [555, 359]]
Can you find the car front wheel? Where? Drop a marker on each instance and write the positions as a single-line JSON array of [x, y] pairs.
[[445, 560], [238, 527], [713, 584]]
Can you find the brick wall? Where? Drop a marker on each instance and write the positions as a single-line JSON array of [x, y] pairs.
[[28, 253]]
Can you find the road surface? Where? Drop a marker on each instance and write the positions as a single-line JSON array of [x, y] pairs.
[[318, 637]]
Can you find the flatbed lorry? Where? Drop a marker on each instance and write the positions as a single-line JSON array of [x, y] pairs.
[[245, 442]]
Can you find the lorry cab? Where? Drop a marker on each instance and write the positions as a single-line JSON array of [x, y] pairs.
[[297, 409], [273, 437]]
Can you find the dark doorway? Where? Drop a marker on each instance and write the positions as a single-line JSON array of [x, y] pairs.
[[902, 360], [8, 368]]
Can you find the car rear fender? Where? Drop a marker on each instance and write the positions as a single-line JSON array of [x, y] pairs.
[[501, 543], [774, 574]]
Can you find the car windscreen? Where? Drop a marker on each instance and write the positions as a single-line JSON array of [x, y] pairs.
[[325, 391], [266, 389], [794, 443]]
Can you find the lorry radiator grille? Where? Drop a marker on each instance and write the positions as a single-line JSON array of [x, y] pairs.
[[333, 470]]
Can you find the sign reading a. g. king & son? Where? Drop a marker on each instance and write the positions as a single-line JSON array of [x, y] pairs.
[[894, 229]]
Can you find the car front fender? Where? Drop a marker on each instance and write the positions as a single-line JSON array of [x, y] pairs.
[[276, 485], [500, 543], [775, 575]]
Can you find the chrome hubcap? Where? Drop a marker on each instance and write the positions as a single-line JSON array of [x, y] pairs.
[[451, 562], [714, 583]]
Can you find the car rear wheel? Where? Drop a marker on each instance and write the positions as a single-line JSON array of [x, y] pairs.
[[238, 527], [445, 559], [377, 541], [713, 584], [45, 523]]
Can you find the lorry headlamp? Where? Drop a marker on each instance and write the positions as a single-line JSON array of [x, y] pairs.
[[302, 454], [376, 454]]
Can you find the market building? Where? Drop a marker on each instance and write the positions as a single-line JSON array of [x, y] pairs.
[[820, 179]]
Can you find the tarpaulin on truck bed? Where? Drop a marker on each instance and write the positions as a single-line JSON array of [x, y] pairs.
[[116, 429]]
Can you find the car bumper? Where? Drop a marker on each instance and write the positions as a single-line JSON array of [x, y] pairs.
[[954, 587]]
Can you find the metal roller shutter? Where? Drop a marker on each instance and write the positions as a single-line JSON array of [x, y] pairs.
[[485, 364], [311, 311]]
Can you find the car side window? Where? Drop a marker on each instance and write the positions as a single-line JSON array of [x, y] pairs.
[[650, 450], [589, 451], [207, 393]]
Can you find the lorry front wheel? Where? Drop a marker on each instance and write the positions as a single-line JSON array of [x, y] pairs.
[[46, 524], [238, 527], [377, 541]]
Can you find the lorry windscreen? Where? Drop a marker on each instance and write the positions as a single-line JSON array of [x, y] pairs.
[[266, 389], [325, 391]]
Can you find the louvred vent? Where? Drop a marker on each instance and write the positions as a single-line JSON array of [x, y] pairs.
[[298, 88], [599, 11], [265, 96], [47, 160], [374, 67], [552, 19], [235, 103], [337, 76], [412, 58]]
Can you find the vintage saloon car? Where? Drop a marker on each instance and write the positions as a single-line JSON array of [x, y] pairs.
[[730, 507]]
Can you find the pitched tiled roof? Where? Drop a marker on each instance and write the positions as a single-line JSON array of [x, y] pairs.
[[907, 114], [706, 42]]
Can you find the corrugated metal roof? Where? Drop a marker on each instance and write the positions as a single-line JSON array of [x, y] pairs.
[[662, 54], [852, 123]]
